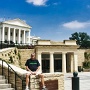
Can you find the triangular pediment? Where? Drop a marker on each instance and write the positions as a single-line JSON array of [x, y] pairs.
[[17, 22]]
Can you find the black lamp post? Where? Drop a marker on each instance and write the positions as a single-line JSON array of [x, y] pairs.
[[75, 81]]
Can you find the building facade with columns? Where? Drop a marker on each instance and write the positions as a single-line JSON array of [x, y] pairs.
[[15, 30], [58, 56], [33, 39]]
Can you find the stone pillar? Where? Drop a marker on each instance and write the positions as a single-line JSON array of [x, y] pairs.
[[29, 37], [19, 36], [64, 62], [72, 63], [0, 33], [51, 63], [24, 38], [9, 34], [3, 33], [39, 59], [14, 35], [75, 61]]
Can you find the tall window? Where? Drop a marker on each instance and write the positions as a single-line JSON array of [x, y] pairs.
[[11, 33], [16, 34], [5, 33]]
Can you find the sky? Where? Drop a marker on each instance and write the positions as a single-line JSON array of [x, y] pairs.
[[50, 19]]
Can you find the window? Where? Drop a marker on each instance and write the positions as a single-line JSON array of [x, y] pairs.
[[21, 35], [5, 33], [11, 33], [16, 34]]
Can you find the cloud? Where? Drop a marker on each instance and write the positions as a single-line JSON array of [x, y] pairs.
[[88, 6], [55, 3], [37, 2], [76, 25], [2, 19]]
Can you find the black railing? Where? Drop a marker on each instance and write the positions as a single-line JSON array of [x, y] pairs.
[[4, 44], [7, 44], [16, 75]]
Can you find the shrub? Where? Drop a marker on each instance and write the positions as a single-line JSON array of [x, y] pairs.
[[86, 64]]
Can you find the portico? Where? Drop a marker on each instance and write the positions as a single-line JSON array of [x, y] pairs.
[[15, 30], [57, 58]]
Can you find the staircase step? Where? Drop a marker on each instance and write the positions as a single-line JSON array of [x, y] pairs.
[[4, 86], [3, 81]]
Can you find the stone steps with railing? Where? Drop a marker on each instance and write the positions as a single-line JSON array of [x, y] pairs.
[[4, 84]]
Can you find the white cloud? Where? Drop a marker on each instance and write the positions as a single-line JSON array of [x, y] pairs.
[[88, 6], [76, 25], [37, 2], [55, 3], [2, 19]]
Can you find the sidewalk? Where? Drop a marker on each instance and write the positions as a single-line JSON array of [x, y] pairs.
[[84, 81]]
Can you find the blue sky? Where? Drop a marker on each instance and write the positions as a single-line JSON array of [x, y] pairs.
[[50, 19]]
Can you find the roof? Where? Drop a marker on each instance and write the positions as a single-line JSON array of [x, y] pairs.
[[16, 22]]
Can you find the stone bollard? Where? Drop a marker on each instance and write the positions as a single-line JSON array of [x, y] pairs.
[[75, 81]]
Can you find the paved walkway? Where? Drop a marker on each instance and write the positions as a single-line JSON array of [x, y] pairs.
[[84, 79]]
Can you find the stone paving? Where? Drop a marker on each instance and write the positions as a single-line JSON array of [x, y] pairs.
[[84, 81]]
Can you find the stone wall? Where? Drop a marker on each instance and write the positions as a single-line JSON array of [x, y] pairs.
[[48, 77], [81, 56], [25, 54], [34, 80], [10, 55], [5, 54]]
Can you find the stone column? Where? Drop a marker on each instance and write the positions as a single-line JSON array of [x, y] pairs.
[[39, 59], [9, 34], [14, 35], [24, 38], [75, 61], [19, 36], [3, 33], [64, 62], [72, 63], [51, 63], [29, 38], [0, 33]]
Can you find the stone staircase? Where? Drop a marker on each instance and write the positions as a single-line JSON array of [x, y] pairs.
[[4, 85]]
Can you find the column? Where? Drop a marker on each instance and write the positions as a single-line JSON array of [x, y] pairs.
[[72, 63], [64, 62], [9, 34], [24, 37], [14, 35], [0, 33], [29, 38], [75, 62], [3, 34], [39, 59], [51, 63], [19, 36]]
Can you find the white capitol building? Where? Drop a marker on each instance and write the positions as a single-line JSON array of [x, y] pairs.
[[17, 31]]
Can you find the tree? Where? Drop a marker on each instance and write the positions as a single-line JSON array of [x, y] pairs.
[[81, 38]]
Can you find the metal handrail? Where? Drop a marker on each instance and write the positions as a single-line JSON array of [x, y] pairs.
[[14, 74]]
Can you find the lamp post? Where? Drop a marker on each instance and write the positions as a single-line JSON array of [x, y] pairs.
[[75, 81]]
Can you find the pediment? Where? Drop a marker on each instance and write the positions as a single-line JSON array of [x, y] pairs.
[[17, 22]]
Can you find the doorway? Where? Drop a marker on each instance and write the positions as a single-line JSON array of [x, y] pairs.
[[45, 63], [57, 62]]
